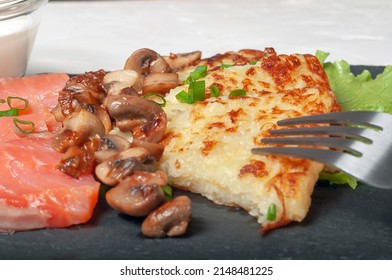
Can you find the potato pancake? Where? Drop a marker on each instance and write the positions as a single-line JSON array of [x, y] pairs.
[[208, 143]]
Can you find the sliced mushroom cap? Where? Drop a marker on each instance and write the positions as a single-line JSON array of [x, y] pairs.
[[110, 145], [154, 149], [102, 114], [76, 160], [114, 82], [171, 219], [127, 135], [82, 89], [124, 164], [180, 60], [145, 61], [78, 128], [139, 194], [144, 118], [160, 83]]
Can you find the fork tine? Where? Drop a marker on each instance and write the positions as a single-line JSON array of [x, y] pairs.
[[345, 131], [353, 117], [337, 143]]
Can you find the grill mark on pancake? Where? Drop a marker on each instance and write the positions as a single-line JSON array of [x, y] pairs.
[[255, 168], [208, 146]]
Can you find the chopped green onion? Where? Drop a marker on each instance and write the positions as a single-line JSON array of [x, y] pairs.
[[237, 92], [196, 92], [271, 212], [199, 72], [19, 122], [184, 97], [214, 91], [2, 101], [252, 62], [224, 66], [153, 96], [168, 191], [10, 112], [10, 98]]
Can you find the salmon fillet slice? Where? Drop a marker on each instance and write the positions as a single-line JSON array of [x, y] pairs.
[[40, 90], [34, 193]]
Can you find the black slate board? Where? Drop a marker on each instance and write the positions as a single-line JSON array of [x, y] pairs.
[[342, 224]]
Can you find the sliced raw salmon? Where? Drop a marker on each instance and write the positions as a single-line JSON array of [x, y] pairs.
[[43, 123], [41, 93], [34, 193], [39, 89]]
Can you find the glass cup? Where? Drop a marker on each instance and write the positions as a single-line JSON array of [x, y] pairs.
[[19, 22]]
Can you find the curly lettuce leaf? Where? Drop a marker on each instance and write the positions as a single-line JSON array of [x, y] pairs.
[[356, 93], [359, 92]]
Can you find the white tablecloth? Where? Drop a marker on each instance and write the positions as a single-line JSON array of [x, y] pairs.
[[80, 36]]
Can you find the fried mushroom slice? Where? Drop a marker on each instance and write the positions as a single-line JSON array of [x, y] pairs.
[[154, 149], [109, 146], [78, 128], [124, 164], [102, 114], [145, 119], [159, 83], [145, 61], [82, 89], [171, 219], [178, 61], [139, 194], [77, 160], [116, 81]]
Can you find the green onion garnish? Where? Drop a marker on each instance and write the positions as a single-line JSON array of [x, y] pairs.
[[237, 92], [157, 98], [10, 112], [19, 123], [168, 191], [25, 101], [252, 62], [214, 91], [196, 92], [184, 97], [14, 111], [271, 212], [224, 66], [199, 72]]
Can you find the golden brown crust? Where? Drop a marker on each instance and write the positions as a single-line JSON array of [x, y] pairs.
[[208, 143]]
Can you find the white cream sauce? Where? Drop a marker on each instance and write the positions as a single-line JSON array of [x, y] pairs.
[[16, 41]]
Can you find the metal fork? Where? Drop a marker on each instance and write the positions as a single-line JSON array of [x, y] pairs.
[[361, 143]]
